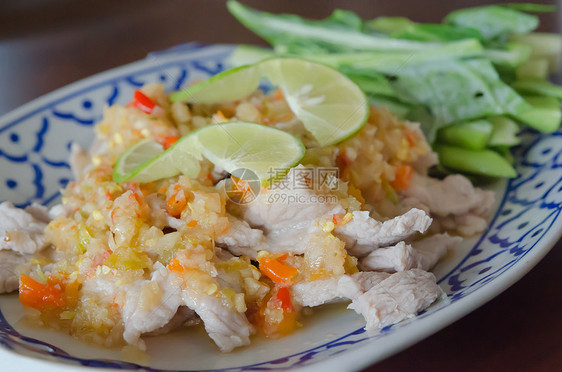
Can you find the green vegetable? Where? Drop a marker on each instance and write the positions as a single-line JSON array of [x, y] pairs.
[[485, 162], [541, 113], [371, 82], [403, 28], [345, 18], [428, 125], [292, 34], [512, 55], [473, 135], [401, 110], [543, 45], [505, 153], [504, 132], [436, 85], [493, 21], [538, 87], [391, 63], [536, 68]]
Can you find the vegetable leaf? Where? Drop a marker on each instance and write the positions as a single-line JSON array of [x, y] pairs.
[[292, 34], [493, 21], [403, 28]]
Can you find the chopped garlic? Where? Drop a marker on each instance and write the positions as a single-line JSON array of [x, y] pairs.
[[328, 226]]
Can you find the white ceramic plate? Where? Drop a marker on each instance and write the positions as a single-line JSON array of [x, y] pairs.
[[34, 143]]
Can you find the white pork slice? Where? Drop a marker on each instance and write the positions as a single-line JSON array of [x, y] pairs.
[[241, 238], [227, 327], [9, 275], [400, 257], [400, 296], [423, 254], [431, 249], [454, 200], [183, 317], [21, 231], [346, 287], [79, 160], [150, 304], [159, 217], [363, 234], [286, 214]]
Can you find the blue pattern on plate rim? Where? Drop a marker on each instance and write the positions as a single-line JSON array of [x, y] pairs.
[[530, 205]]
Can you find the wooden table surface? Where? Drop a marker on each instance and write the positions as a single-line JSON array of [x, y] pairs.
[[46, 44]]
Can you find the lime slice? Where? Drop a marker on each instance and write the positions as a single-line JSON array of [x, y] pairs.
[[329, 104], [146, 161], [227, 86], [268, 152]]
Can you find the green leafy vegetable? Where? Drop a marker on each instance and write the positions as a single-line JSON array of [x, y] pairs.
[[403, 28], [493, 21], [511, 55], [485, 162], [536, 68], [504, 132], [292, 34], [538, 87], [543, 45], [473, 135], [401, 110], [541, 113]]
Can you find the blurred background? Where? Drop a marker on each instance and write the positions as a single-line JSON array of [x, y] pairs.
[[46, 44]]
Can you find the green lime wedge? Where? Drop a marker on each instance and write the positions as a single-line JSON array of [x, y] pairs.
[[146, 161], [226, 86], [264, 150], [267, 151], [330, 105]]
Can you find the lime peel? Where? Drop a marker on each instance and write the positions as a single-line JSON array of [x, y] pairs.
[[231, 146], [329, 104]]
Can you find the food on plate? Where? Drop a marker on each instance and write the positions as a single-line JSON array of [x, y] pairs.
[[234, 208]]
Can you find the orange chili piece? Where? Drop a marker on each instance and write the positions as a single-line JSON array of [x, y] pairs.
[[283, 297], [277, 271], [40, 296], [402, 178], [169, 141], [175, 266], [142, 102], [411, 137], [176, 203]]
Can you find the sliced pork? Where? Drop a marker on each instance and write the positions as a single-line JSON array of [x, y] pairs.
[[79, 160], [454, 200], [346, 287], [150, 304], [241, 239], [364, 234], [21, 231], [431, 249], [400, 296], [423, 254], [9, 275], [227, 327]]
